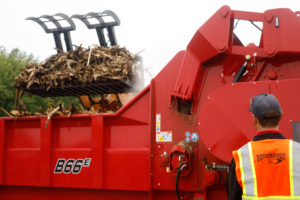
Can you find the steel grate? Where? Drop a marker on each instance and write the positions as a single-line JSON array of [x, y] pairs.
[[110, 86]]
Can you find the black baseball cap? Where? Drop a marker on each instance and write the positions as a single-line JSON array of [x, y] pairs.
[[262, 104]]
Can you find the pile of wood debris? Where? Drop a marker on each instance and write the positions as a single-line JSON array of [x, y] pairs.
[[107, 104], [53, 110], [77, 67]]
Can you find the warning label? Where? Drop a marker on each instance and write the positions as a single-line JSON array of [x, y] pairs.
[[165, 136], [157, 123]]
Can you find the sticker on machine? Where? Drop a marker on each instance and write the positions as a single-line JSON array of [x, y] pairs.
[[157, 127], [165, 136]]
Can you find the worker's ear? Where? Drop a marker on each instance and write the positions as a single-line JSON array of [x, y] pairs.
[[255, 121], [253, 118]]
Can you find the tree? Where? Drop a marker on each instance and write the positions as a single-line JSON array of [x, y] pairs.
[[10, 65]]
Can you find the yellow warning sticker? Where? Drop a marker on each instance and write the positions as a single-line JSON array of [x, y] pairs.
[[165, 136]]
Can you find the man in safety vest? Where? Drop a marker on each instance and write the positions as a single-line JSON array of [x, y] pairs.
[[269, 166]]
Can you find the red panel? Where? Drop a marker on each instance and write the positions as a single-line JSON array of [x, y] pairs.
[[128, 136], [24, 134], [138, 108], [283, 38], [22, 167], [22, 153], [125, 169], [72, 133]]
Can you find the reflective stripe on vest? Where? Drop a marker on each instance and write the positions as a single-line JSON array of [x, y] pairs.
[[296, 167], [251, 163]]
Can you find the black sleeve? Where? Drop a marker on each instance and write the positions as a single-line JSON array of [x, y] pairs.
[[235, 190]]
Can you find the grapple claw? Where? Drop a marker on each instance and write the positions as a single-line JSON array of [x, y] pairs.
[[106, 21], [58, 29]]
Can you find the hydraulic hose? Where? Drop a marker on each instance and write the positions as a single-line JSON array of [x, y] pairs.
[[177, 181], [180, 168], [242, 70], [240, 73]]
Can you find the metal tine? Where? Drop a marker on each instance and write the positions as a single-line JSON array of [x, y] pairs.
[[101, 26], [83, 19], [98, 27], [53, 20], [99, 16], [68, 19], [113, 15], [96, 16], [42, 24], [78, 16], [58, 30]]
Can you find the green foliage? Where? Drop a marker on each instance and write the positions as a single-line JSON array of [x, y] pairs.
[[11, 64]]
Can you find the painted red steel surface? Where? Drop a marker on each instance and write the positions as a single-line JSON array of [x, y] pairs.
[[126, 160]]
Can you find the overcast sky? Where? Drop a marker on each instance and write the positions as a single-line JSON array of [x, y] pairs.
[[159, 27]]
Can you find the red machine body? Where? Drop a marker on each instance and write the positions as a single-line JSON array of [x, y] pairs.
[[192, 108]]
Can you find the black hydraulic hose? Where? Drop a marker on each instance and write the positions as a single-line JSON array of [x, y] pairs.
[[240, 74], [242, 70], [177, 181]]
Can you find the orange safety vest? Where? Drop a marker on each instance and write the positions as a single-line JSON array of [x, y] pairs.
[[269, 169]]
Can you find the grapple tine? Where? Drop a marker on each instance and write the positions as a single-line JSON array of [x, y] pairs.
[[109, 26], [83, 19], [68, 19], [41, 23], [58, 30], [113, 15], [53, 20], [96, 16]]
